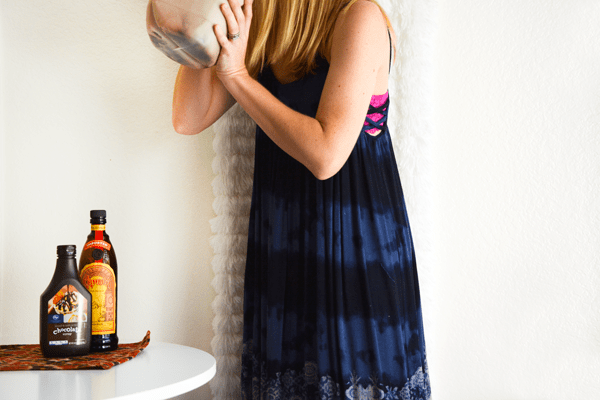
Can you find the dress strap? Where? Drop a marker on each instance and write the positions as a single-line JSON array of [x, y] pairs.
[[391, 49]]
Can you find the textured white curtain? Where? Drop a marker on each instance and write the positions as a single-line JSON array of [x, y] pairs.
[[234, 166], [411, 127]]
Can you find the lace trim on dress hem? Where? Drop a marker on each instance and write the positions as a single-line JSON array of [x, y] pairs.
[[295, 385]]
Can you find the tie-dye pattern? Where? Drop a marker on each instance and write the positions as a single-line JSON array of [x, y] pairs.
[[331, 300]]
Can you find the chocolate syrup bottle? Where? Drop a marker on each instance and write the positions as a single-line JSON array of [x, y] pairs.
[[65, 310], [99, 273]]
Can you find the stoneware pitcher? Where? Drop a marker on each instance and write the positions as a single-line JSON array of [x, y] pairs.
[[183, 30]]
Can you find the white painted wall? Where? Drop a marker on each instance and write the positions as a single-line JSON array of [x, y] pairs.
[[517, 200], [87, 124], [85, 117]]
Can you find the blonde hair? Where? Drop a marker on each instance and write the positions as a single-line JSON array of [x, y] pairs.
[[290, 33]]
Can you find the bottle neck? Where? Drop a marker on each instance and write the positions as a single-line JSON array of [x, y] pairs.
[[66, 266], [98, 231]]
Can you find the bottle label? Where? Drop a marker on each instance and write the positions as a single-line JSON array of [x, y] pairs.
[[67, 317], [99, 279], [98, 244], [98, 231]]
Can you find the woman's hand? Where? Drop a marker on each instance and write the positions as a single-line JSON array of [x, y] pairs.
[[232, 58]]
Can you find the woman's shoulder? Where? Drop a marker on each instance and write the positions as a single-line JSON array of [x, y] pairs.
[[364, 6], [363, 21], [363, 13]]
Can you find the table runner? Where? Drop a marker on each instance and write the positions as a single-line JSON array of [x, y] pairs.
[[22, 357]]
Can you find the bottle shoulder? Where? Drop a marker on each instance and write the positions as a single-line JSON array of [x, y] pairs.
[[98, 249], [57, 285]]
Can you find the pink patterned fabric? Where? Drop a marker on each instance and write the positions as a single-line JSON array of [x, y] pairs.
[[376, 101]]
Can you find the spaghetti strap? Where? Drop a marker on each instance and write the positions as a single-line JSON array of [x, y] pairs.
[[391, 49]]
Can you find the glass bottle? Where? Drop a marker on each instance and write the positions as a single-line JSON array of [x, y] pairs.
[[99, 274]]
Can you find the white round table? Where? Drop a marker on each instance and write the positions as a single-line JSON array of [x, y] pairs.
[[161, 371]]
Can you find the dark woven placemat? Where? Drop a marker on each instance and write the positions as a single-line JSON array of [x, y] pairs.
[[23, 357]]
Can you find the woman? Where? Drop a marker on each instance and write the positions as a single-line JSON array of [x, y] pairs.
[[331, 303]]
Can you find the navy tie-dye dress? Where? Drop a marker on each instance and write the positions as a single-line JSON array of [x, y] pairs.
[[331, 302]]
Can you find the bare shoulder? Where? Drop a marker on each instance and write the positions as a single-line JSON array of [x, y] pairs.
[[362, 24], [360, 15], [366, 9]]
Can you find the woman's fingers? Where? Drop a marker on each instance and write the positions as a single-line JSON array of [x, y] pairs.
[[239, 14], [221, 38], [233, 39], [237, 17], [248, 11], [233, 27]]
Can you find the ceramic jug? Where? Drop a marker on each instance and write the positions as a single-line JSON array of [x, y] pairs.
[[183, 30]]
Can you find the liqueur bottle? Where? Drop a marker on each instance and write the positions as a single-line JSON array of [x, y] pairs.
[[65, 310], [99, 274]]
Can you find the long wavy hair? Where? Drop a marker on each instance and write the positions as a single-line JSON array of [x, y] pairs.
[[290, 33]]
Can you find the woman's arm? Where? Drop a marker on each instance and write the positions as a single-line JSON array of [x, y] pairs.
[[324, 143], [199, 99]]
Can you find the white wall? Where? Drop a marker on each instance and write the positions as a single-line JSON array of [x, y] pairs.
[[517, 199], [85, 123]]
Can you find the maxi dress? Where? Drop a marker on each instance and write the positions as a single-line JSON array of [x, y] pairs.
[[331, 299]]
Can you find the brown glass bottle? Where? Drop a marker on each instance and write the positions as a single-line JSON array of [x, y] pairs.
[[99, 274]]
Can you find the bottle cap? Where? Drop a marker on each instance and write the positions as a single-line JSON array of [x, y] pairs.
[[98, 216], [66, 251]]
